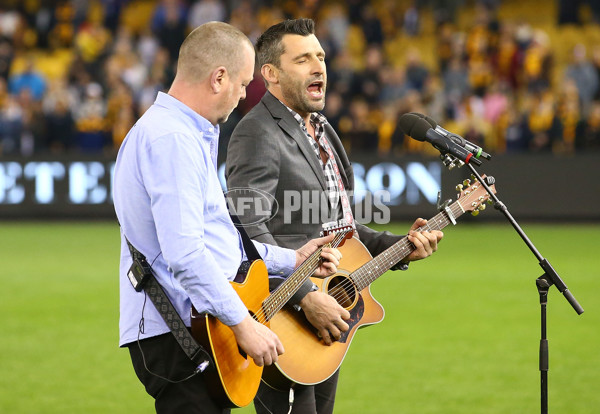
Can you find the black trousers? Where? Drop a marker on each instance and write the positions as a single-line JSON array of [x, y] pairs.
[[164, 357], [314, 399]]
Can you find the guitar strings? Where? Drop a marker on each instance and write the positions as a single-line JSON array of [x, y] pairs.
[[277, 299], [363, 276], [368, 272], [355, 282]]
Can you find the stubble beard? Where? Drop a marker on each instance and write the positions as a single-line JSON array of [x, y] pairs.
[[294, 91]]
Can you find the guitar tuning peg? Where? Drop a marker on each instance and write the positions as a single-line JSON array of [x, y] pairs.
[[467, 182], [475, 212], [473, 177], [481, 207], [459, 187], [490, 201]]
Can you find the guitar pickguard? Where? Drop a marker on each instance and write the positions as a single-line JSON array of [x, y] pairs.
[[356, 314]]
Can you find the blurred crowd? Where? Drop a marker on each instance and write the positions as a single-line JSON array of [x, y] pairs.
[[76, 74]]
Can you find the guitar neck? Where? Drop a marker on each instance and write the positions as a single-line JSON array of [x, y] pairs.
[[370, 271], [280, 296]]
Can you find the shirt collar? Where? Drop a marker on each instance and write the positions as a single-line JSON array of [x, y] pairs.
[[208, 130]]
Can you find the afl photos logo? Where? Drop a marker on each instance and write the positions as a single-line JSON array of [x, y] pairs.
[[251, 205]]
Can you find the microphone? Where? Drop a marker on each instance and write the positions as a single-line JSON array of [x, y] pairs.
[[420, 129], [475, 149]]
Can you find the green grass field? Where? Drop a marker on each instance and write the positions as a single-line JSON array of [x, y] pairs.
[[461, 331]]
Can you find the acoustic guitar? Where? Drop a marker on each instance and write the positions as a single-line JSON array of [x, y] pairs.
[[307, 360], [235, 378]]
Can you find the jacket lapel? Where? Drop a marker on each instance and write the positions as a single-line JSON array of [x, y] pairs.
[[290, 126]]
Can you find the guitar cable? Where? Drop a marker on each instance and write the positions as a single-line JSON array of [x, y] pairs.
[[141, 331], [290, 400]]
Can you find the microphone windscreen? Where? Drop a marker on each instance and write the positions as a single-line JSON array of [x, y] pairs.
[[419, 129], [431, 121], [426, 118], [407, 122]]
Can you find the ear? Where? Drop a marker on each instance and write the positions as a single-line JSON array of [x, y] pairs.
[[270, 73], [218, 78]]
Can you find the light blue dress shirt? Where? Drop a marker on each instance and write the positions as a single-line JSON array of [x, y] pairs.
[[171, 207]]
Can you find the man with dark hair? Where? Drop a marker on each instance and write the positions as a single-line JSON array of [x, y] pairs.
[[285, 147], [170, 206]]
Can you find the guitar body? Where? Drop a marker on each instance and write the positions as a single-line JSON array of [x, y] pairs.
[[307, 360], [235, 378]]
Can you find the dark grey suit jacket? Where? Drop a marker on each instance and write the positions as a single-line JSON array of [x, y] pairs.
[[269, 151]]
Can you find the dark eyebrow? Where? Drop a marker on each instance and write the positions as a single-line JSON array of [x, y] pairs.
[[303, 55], [307, 55]]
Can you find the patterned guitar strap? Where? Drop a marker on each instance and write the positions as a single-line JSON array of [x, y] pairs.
[[142, 278]]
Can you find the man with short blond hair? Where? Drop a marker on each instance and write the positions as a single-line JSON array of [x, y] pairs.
[[170, 206]]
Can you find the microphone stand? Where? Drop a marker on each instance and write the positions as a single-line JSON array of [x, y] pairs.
[[544, 282]]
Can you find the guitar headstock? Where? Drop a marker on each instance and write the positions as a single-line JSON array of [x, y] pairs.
[[342, 229], [473, 194]]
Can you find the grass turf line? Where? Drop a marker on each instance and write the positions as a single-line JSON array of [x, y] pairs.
[[460, 335]]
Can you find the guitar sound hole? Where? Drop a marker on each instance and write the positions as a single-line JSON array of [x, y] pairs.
[[342, 289]]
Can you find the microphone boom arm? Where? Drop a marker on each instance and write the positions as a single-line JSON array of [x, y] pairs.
[[446, 146]]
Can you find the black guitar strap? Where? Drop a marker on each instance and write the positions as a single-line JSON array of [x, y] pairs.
[[141, 277], [249, 247]]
